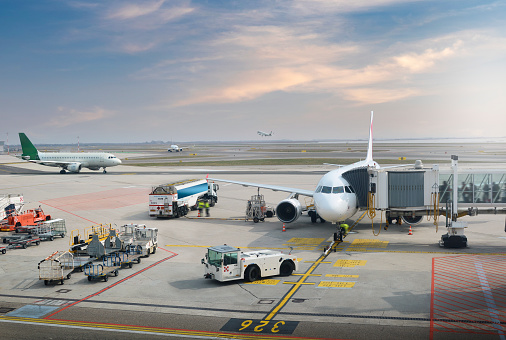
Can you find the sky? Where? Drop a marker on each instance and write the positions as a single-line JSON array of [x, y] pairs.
[[180, 71]]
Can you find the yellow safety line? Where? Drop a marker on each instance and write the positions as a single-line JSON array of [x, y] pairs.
[[308, 275], [292, 290], [196, 246], [299, 283], [212, 335]]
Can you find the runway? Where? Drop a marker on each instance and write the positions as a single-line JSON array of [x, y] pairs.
[[372, 287]]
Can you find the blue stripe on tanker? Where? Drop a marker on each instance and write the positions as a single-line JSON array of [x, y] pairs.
[[198, 189]]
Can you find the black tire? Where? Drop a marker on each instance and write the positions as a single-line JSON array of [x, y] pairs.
[[116, 272], [46, 282], [286, 268], [255, 219], [138, 260], [106, 278], [37, 243], [252, 273], [89, 278], [62, 235], [130, 265], [69, 275], [51, 238], [62, 282], [313, 218], [4, 251], [24, 245], [148, 252], [154, 250], [269, 214]]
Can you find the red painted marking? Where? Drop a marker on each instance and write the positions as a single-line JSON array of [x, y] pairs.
[[109, 199], [68, 212], [114, 284], [468, 295]]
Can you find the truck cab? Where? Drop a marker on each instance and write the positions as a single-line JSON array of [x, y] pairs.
[[226, 263]]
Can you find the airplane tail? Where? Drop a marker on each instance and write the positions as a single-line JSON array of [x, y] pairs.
[[29, 151], [369, 147]]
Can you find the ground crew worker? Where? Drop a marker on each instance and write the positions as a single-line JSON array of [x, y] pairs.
[[207, 208], [201, 207], [344, 229]]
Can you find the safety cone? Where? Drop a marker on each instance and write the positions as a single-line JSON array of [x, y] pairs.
[[198, 214], [410, 231], [284, 227]]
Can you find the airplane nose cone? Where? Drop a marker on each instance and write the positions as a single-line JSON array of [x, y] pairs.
[[118, 160], [332, 209]]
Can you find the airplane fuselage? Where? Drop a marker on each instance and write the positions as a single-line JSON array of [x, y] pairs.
[[73, 162]]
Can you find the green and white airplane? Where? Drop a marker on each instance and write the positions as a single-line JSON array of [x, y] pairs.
[[67, 161]]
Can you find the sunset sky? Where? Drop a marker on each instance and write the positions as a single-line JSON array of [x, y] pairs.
[[135, 71]]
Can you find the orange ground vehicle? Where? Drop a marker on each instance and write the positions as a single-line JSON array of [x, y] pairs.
[[29, 217]]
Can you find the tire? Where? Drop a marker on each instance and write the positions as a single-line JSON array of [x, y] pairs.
[[37, 243], [62, 235], [62, 282], [286, 268], [116, 272], [255, 219], [4, 251], [46, 282], [89, 278], [24, 246], [252, 273], [138, 260], [51, 238], [148, 252], [130, 265], [269, 214], [69, 275], [313, 218], [106, 278], [154, 250]]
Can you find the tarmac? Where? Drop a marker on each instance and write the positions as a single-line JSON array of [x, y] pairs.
[[372, 286]]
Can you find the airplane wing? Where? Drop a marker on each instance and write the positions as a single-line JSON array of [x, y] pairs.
[[52, 163], [268, 186]]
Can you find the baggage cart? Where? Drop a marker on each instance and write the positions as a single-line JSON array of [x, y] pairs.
[[3, 249], [56, 267], [102, 270], [132, 253], [81, 261], [48, 230], [21, 241]]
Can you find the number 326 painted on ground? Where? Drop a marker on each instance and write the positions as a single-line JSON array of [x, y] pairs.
[[260, 328]]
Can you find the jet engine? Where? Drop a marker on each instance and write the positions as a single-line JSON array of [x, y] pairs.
[[289, 210], [74, 167], [412, 219]]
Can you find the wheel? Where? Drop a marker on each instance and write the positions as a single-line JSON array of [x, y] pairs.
[[116, 272], [313, 218], [46, 282], [269, 214], [148, 251], [252, 273], [130, 265], [61, 281], [37, 243], [286, 268], [255, 219], [89, 278], [68, 276], [4, 251], [24, 245], [105, 173], [154, 250], [106, 278], [62, 235], [51, 238], [62, 171], [138, 260]]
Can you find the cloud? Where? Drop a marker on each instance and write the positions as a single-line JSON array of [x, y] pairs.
[[68, 117], [134, 10], [378, 95]]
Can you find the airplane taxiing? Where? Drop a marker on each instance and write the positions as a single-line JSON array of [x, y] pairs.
[[335, 200], [67, 161], [174, 148], [264, 134]]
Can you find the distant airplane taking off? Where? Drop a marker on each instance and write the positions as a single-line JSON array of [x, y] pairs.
[[67, 161], [264, 134]]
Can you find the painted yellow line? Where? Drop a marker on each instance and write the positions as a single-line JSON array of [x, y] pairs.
[[197, 246], [138, 329], [315, 262], [308, 275], [421, 252], [292, 290], [299, 283]]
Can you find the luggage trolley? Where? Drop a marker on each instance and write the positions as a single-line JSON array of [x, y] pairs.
[[56, 267], [108, 266], [132, 253]]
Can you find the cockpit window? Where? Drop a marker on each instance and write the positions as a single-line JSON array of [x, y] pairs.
[[337, 190], [326, 190], [319, 189]]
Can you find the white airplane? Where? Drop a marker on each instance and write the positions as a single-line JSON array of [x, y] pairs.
[[67, 161], [334, 198], [175, 148], [264, 134]]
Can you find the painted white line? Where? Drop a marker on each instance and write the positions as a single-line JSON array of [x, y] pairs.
[[489, 299]]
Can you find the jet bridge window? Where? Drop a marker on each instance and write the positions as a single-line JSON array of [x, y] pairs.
[[326, 190], [349, 190]]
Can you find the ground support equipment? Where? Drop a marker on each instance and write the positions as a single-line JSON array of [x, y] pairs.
[[56, 267], [127, 258], [102, 270], [21, 241]]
